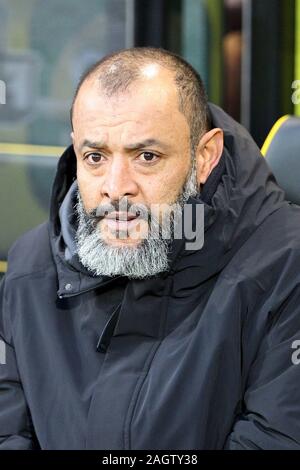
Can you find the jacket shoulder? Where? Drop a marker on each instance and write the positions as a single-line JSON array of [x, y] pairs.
[[272, 253], [30, 253]]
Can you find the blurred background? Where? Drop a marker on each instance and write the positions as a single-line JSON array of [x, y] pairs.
[[247, 52]]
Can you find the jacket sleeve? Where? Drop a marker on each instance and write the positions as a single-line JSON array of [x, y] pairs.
[[271, 410], [16, 432]]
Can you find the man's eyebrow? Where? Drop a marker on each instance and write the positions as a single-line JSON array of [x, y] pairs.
[[92, 144], [146, 143], [135, 146]]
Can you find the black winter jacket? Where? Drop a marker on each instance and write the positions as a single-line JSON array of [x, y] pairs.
[[201, 357]]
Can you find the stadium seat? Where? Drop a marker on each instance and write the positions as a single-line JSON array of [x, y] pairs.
[[282, 152]]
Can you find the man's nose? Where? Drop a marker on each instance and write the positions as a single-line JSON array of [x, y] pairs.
[[119, 181]]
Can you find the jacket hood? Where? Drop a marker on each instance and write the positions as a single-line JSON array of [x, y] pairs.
[[238, 196]]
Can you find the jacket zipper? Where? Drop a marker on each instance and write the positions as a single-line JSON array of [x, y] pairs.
[[64, 296]]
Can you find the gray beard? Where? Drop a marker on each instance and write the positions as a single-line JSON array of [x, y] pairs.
[[148, 258]]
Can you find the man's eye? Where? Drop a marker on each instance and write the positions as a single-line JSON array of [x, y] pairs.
[[148, 156], [94, 158]]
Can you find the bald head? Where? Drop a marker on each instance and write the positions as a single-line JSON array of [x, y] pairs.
[[116, 73]]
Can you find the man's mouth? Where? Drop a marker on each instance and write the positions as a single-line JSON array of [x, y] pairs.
[[122, 222], [121, 216]]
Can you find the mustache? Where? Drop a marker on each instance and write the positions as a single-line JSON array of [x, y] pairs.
[[122, 206]]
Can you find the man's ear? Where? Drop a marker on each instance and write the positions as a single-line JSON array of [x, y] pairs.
[[208, 153], [72, 137]]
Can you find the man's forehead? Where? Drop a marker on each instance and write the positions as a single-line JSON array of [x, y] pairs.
[[148, 108], [154, 88]]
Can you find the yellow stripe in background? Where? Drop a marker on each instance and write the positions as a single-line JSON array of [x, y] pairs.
[[272, 134], [297, 51], [35, 150], [3, 266]]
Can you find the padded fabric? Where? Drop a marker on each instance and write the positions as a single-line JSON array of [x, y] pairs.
[[283, 156]]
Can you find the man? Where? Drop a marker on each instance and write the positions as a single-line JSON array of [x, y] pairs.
[[118, 337]]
